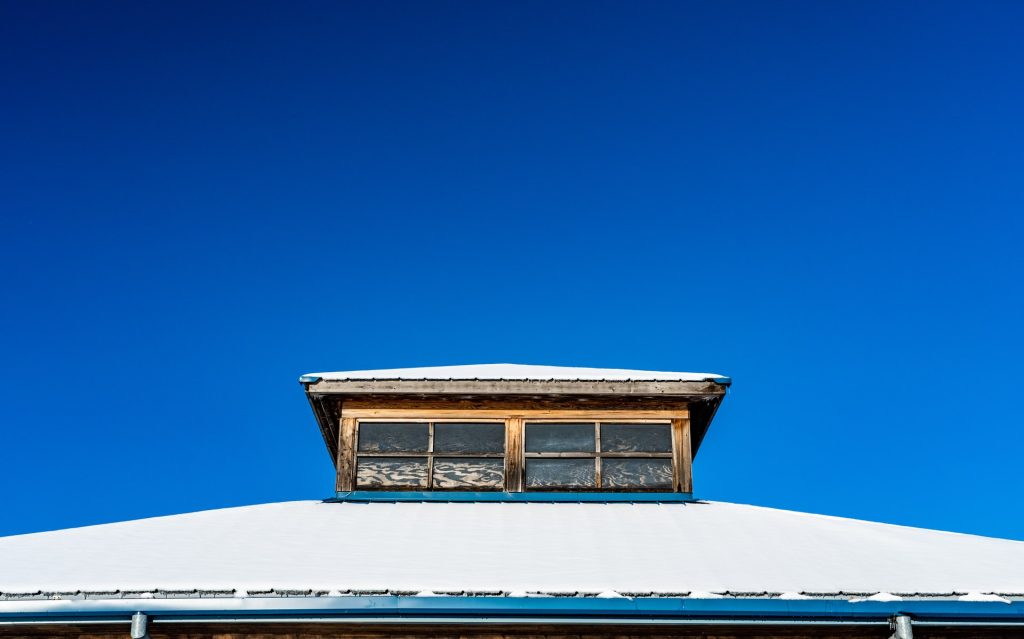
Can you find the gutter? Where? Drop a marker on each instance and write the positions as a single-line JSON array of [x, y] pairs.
[[514, 610]]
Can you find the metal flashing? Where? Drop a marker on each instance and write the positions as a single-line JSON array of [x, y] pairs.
[[366, 496]]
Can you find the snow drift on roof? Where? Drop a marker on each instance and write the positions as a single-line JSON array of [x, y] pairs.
[[517, 372], [507, 547]]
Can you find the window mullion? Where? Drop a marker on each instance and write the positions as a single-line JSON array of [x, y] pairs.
[[430, 456]]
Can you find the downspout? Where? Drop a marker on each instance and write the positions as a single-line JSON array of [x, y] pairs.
[[140, 626], [901, 627]]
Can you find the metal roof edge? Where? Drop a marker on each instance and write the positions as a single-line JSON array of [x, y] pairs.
[[456, 609]]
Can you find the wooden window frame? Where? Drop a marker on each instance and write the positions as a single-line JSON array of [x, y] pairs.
[[515, 455], [598, 455], [430, 455]]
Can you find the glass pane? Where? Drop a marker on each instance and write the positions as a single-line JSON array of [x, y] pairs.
[[399, 437], [460, 472], [391, 472], [560, 438], [560, 473], [636, 473], [636, 438], [450, 437]]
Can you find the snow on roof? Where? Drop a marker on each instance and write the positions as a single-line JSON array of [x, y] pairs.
[[516, 372], [701, 547]]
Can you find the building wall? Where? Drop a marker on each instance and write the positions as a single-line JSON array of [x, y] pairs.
[[346, 631]]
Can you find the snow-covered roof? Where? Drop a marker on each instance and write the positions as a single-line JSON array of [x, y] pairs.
[[702, 548], [513, 372]]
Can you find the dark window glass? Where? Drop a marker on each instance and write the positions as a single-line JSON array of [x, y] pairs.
[[560, 438], [560, 473], [450, 437], [391, 472], [398, 437], [636, 473], [636, 438], [461, 472]]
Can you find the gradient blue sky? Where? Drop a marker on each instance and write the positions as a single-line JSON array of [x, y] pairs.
[[201, 201]]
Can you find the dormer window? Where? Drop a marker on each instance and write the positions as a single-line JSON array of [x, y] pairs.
[[513, 429], [598, 455], [430, 455]]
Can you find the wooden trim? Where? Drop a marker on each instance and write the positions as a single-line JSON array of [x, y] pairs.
[[424, 415], [514, 403], [514, 464], [570, 455], [682, 457], [663, 388], [421, 453], [346, 467]]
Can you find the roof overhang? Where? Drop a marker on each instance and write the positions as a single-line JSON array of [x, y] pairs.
[[703, 396]]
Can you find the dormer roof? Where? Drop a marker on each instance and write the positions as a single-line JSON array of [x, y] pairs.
[[514, 372]]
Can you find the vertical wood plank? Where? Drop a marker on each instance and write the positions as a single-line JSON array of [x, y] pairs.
[[682, 455], [346, 470], [514, 454]]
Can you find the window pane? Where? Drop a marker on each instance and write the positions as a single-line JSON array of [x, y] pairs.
[[382, 437], [391, 472], [636, 473], [461, 472], [560, 473], [450, 437], [560, 438], [636, 438]]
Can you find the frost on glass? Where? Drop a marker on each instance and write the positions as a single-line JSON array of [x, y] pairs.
[[636, 473], [460, 472], [393, 437], [451, 437], [560, 473], [560, 438], [636, 438], [391, 472]]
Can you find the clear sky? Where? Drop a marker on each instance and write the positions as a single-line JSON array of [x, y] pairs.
[[201, 201]]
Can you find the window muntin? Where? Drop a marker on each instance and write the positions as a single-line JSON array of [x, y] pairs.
[[598, 455], [425, 455]]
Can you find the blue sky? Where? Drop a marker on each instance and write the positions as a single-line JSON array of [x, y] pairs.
[[201, 201]]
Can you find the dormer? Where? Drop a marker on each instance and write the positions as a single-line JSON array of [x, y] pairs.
[[507, 431]]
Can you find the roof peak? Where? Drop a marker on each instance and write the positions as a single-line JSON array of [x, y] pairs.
[[518, 372]]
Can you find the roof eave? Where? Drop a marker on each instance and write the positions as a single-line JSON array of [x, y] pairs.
[[516, 610]]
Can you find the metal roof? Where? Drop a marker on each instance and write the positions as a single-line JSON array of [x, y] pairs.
[[700, 549]]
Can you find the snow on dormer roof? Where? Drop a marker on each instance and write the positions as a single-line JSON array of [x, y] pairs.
[[515, 372]]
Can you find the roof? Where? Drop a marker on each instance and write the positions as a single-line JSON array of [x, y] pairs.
[[699, 549], [512, 372]]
